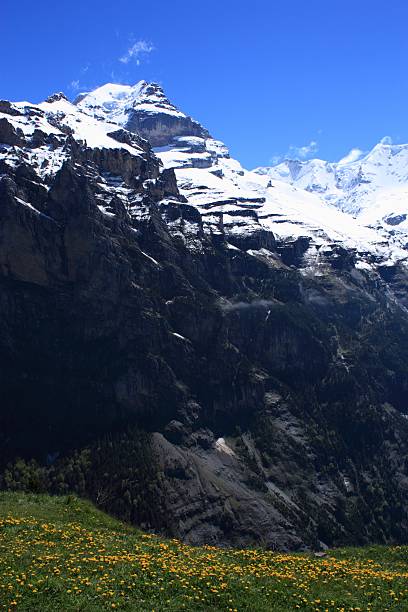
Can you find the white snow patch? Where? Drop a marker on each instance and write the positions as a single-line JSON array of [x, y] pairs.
[[20, 201], [223, 447], [178, 335], [106, 212], [151, 258], [348, 484]]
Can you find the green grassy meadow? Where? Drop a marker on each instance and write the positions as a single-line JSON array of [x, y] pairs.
[[61, 553]]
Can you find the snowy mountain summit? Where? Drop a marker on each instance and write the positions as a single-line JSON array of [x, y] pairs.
[[317, 215], [142, 108], [372, 188], [316, 206]]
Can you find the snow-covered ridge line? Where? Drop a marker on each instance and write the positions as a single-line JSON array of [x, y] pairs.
[[373, 188], [39, 134], [57, 114], [359, 206]]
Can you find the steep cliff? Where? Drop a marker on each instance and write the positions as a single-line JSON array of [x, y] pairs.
[[166, 352]]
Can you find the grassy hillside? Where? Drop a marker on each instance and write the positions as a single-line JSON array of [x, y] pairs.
[[61, 553]]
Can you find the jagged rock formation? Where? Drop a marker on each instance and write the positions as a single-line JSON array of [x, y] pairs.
[[148, 291]]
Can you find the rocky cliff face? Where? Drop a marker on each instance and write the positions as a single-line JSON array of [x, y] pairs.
[[166, 352]]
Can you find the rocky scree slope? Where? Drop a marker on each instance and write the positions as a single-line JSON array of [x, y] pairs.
[[167, 353]]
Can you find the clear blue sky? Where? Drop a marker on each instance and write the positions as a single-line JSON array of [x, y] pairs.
[[264, 76]]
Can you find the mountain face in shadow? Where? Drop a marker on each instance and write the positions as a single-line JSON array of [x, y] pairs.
[[202, 352]]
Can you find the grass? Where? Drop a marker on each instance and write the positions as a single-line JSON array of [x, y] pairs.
[[60, 553]]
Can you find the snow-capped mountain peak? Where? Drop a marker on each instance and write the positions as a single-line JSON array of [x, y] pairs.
[[309, 208], [115, 101], [142, 108], [372, 188], [109, 97], [322, 201]]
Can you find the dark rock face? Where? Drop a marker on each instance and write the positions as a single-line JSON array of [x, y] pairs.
[[56, 97], [395, 219], [211, 392], [160, 128], [293, 251], [9, 135], [7, 107]]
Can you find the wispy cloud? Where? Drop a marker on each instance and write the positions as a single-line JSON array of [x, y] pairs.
[[77, 84], [305, 151], [139, 49], [351, 156], [355, 154], [295, 152], [276, 159]]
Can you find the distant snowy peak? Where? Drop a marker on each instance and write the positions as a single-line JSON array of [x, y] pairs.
[[142, 108], [313, 175], [348, 185], [373, 188]]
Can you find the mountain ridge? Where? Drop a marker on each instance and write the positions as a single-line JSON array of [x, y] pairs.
[[208, 154], [372, 188], [196, 348]]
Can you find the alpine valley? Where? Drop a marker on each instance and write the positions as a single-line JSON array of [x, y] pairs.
[[216, 354]]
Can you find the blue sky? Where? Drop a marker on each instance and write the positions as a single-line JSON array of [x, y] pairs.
[[305, 77]]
